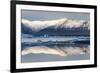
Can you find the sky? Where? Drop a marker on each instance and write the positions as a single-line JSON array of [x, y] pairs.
[[52, 15]]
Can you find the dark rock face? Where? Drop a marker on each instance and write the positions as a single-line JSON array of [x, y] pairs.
[[60, 31]]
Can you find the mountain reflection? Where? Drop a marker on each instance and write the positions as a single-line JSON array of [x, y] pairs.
[[57, 50], [41, 49]]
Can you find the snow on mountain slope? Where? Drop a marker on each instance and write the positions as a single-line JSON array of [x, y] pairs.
[[63, 22]]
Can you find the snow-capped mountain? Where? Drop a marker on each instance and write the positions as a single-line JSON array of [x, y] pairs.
[[63, 22], [68, 26]]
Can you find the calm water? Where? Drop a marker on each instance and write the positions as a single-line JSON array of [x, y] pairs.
[[40, 49]]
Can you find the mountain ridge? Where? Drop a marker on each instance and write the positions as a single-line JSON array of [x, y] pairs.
[[56, 27], [63, 22]]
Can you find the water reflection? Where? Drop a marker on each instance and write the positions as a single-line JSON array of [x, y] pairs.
[[57, 50], [40, 51], [55, 53]]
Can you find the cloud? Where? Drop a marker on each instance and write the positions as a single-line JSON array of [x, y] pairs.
[[63, 22]]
